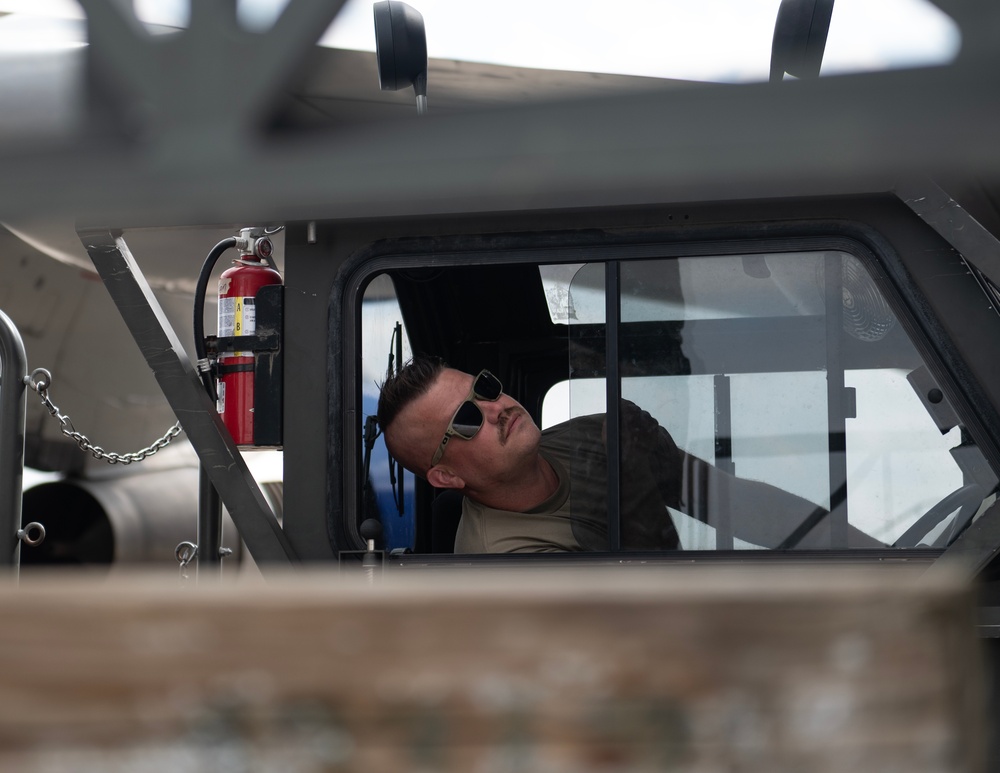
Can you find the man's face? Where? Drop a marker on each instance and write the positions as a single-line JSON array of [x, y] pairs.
[[507, 440]]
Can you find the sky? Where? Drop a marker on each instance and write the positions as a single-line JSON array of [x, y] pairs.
[[717, 40]]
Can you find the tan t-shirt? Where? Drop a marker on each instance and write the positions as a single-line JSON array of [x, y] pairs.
[[575, 517], [575, 450], [543, 529]]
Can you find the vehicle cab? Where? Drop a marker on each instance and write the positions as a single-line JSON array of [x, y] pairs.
[[834, 349]]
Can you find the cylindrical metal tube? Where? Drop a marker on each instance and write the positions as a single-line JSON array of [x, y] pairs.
[[209, 528], [13, 369]]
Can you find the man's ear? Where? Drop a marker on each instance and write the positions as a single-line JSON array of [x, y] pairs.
[[442, 477]]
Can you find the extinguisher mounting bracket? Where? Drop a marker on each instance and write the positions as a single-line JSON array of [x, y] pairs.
[[229, 344]]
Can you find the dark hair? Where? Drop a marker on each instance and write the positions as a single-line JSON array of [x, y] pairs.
[[407, 385]]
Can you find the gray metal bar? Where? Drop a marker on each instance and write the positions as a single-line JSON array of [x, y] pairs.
[[960, 229], [209, 527], [844, 134], [184, 391], [837, 423], [13, 406], [613, 387], [722, 513]]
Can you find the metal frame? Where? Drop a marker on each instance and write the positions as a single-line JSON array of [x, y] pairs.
[[883, 224], [174, 134], [722, 398], [979, 543], [613, 396], [942, 213], [836, 416]]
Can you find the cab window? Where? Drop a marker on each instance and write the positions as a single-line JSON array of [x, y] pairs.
[[386, 489], [803, 413], [772, 400]]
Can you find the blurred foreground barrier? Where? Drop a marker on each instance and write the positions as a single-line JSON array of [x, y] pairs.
[[648, 670]]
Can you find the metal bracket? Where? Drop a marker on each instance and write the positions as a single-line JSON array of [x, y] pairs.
[[978, 544], [184, 391]]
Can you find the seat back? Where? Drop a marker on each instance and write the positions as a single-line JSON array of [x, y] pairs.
[[446, 512]]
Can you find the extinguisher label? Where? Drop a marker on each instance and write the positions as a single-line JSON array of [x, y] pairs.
[[237, 317], [220, 391], [227, 307], [249, 314]]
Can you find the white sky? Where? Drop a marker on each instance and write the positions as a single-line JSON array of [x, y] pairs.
[[726, 40]]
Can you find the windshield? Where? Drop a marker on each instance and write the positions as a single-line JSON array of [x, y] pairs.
[[780, 391]]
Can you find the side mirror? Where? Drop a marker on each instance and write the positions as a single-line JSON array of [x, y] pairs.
[[401, 49], [800, 38]]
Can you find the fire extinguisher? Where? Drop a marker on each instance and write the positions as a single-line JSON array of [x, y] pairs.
[[247, 383]]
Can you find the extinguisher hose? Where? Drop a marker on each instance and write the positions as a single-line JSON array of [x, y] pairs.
[[199, 309]]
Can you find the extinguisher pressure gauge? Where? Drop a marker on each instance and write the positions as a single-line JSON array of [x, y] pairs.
[[253, 242], [263, 248]]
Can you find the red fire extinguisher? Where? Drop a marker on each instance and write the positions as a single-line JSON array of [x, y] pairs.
[[238, 289]]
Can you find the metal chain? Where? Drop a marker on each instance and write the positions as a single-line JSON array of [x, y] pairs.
[[40, 380]]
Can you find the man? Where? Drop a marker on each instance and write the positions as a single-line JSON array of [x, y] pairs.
[[532, 491]]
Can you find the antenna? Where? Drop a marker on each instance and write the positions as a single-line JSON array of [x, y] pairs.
[[401, 49]]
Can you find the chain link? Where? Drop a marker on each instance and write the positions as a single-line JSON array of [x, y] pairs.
[[40, 380]]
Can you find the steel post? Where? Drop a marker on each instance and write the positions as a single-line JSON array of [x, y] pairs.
[[209, 528], [13, 406]]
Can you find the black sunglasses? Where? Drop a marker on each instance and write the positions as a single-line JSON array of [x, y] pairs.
[[468, 419]]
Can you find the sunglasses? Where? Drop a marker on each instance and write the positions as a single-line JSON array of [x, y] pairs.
[[468, 419]]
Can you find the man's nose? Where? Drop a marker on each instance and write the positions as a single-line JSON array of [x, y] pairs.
[[492, 410]]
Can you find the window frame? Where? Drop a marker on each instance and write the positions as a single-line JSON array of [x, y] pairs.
[[858, 239]]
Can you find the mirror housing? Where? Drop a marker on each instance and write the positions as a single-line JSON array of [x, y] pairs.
[[799, 41], [401, 49]]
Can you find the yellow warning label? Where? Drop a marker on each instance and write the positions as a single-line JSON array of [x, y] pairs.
[[237, 317]]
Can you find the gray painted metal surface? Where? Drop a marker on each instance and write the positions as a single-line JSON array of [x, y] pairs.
[[196, 150], [978, 544], [942, 213], [827, 136]]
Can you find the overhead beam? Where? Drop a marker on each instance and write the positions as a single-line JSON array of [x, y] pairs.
[[178, 138], [833, 135]]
